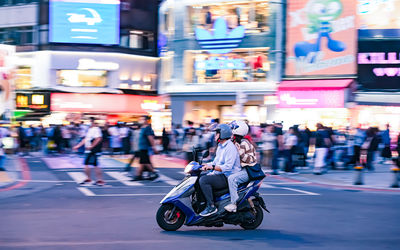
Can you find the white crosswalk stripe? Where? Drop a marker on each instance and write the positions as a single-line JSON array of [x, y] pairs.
[[123, 179], [78, 177], [167, 180]]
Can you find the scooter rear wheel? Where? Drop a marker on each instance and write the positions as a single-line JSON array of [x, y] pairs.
[[169, 217], [259, 216]]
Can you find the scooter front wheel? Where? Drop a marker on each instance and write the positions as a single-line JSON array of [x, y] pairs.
[[169, 217]]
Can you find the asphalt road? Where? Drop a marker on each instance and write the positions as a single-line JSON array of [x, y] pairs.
[[53, 212]]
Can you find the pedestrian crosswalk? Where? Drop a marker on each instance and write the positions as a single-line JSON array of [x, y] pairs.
[[167, 179], [123, 178]]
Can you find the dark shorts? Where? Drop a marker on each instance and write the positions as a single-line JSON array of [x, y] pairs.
[[91, 159], [144, 157]]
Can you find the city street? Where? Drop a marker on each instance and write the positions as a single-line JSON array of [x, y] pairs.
[[50, 211]]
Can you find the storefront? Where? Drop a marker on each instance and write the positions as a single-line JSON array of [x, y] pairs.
[[73, 71], [215, 50], [309, 102], [72, 107]]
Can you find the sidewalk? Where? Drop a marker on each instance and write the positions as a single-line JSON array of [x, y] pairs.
[[12, 171]]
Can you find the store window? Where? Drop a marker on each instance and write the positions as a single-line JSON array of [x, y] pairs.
[[17, 36], [240, 65], [137, 39], [82, 78], [23, 78], [253, 15]]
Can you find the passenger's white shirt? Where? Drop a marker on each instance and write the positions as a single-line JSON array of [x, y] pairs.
[[92, 133]]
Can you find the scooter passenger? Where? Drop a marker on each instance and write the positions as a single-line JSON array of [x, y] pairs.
[[247, 154], [226, 162]]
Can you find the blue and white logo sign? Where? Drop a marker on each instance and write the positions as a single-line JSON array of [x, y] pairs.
[[219, 41], [217, 63], [84, 21]]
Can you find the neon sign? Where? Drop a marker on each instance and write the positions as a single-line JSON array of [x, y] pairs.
[[379, 58]]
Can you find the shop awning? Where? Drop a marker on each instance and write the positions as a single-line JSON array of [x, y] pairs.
[[378, 98], [328, 84]]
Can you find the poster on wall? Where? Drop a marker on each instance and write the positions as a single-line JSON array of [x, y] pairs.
[[84, 21], [321, 38], [7, 68], [378, 18]]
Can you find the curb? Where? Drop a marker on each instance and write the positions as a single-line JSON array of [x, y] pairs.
[[351, 187]]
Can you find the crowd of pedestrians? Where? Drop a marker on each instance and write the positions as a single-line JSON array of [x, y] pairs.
[[277, 149]]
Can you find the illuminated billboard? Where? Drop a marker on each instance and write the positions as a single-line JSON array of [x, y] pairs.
[[378, 18], [379, 65], [321, 38], [84, 21]]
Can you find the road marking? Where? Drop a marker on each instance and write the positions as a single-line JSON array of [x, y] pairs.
[[78, 177], [288, 183], [300, 191], [167, 180], [124, 179], [265, 185], [86, 191], [286, 194]]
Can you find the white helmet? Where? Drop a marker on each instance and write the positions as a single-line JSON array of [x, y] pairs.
[[240, 128]]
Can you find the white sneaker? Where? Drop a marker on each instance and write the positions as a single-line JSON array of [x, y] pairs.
[[231, 208]]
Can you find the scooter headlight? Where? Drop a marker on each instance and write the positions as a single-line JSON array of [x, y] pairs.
[[189, 168]]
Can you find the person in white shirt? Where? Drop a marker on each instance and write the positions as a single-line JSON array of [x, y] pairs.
[[290, 144], [270, 143], [115, 138], [92, 142]]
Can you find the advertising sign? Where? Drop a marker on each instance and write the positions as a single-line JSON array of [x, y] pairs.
[[7, 66], [379, 65], [101, 103], [311, 98], [321, 38], [84, 21], [33, 101], [378, 18]]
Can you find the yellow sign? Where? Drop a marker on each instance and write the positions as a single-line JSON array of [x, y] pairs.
[[22, 101]]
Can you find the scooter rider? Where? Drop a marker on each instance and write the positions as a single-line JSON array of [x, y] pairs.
[[247, 154], [226, 162]]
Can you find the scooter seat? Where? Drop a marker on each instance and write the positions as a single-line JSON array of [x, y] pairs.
[[220, 192]]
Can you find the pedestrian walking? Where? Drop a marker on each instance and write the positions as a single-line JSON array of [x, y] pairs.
[[322, 144], [92, 143], [371, 146], [135, 147], [165, 141], [359, 138], [191, 141], [125, 134], [386, 152], [146, 143], [269, 142], [290, 142], [115, 139]]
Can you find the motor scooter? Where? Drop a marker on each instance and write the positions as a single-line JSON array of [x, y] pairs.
[[185, 201]]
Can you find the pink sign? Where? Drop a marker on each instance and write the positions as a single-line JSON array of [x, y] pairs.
[[311, 99], [105, 103]]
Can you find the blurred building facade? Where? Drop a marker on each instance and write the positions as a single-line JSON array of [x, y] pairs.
[[220, 58], [83, 47]]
